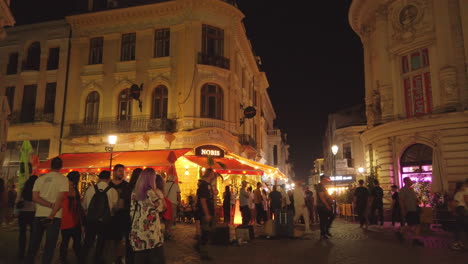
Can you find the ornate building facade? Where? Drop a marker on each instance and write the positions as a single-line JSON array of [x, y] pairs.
[[33, 77], [415, 56], [162, 76]]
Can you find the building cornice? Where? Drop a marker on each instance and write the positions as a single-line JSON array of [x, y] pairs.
[[427, 123], [151, 12]]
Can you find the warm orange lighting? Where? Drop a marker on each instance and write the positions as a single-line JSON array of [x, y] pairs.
[[229, 171], [128, 168], [244, 172], [70, 170], [98, 169], [237, 214], [144, 167]]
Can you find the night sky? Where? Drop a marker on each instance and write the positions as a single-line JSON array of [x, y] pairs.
[[312, 59], [314, 64]]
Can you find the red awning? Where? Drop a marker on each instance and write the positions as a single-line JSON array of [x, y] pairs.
[[92, 162], [233, 166]]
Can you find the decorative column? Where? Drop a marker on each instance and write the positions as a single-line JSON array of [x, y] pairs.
[[383, 83]]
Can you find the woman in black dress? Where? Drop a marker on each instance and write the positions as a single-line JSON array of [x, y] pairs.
[[227, 205]]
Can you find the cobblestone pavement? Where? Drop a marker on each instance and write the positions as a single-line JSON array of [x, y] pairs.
[[349, 244]]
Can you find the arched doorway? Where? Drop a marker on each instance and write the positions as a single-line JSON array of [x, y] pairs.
[[416, 163]]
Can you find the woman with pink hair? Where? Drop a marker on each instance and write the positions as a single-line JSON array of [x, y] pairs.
[[147, 201]]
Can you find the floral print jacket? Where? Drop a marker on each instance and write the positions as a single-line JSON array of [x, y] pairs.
[[145, 232]]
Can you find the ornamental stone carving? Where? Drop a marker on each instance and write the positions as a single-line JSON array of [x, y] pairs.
[[408, 19], [448, 83]]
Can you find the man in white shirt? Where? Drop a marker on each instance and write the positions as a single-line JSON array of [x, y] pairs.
[[48, 193], [300, 206], [172, 192], [96, 229]]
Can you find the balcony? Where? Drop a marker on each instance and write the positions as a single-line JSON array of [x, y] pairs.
[[213, 60], [248, 140], [191, 123], [274, 133], [37, 115], [111, 125]]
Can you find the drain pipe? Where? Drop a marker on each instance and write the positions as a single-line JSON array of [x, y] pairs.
[[62, 123]]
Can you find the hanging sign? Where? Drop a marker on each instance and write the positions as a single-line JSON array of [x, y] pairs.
[[209, 150]]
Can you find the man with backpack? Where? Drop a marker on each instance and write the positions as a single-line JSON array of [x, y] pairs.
[[99, 202]]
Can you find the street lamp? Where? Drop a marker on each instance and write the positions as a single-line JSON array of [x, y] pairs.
[[111, 140], [334, 150]]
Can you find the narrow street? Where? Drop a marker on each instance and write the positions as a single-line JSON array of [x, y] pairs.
[[349, 245]]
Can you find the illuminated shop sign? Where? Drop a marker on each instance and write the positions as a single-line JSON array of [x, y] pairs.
[[209, 150], [342, 178]]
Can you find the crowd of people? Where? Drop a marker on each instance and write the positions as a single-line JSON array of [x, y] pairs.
[[116, 221]]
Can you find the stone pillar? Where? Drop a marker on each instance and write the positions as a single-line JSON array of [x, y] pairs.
[[383, 84]]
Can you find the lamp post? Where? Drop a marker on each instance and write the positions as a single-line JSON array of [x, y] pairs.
[[334, 150], [111, 140]]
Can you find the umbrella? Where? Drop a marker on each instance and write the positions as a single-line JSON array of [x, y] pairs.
[[4, 113], [26, 150]]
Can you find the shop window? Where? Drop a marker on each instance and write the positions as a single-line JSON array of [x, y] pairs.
[[127, 51], [125, 105], [10, 94], [12, 67], [92, 108], [212, 101], [96, 50], [417, 83], [53, 60], [212, 41], [416, 163], [33, 58], [162, 39], [28, 106], [49, 104], [159, 102]]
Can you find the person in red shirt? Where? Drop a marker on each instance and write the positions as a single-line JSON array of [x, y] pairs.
[[71, 217]]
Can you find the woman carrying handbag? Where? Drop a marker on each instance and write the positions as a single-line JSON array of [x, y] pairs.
[[147, 201]]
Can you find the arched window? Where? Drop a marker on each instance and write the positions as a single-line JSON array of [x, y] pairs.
[[125, 105], [92, 107], [33, 58], [159, 107], [212, 101]]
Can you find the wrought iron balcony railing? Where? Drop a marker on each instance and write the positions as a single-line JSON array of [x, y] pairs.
[[213, 60], [245, 139], [111, 125], [36, 115]]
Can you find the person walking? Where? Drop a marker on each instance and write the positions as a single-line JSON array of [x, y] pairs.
[[172, 192], [461, 215], [244, 204], [48, 193], [300, 207], [99, 203], [72, 218], [361, 197], [253, 213], [266, 205], [258, 200], [227, 205], [324, 208], [310, 203], [376, 201], [121, 219], [147, 201], [395, 208], [233, 203], [275, 202], [3, 201], [129, 253], [25, 209], [12, 195], [409, 203], [206, 209]]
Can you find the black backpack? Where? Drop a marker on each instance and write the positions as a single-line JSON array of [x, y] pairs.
[[98, 210]]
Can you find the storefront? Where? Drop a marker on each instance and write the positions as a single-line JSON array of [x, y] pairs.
[[189, 166]]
